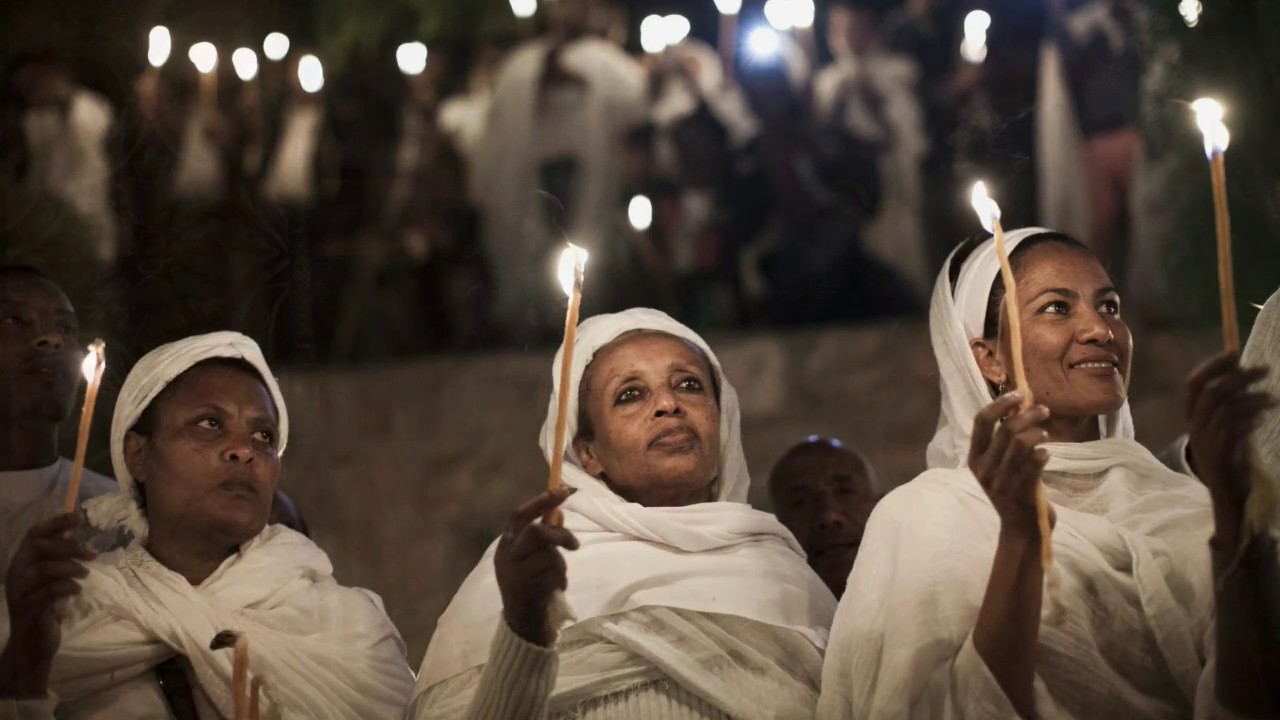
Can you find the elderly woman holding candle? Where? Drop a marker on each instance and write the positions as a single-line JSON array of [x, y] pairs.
[[680, 600], [196, 440], [1157, 616]]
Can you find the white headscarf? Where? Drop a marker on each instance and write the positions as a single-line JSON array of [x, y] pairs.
[[326, 650], [717, 557], [148, 378], [956, 317]]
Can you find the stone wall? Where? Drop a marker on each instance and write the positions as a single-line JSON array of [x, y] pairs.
[[406, 472]]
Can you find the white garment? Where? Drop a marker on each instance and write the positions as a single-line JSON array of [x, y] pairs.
[[28, 497], [896, 234], [326, 651], [463, 117], [1263, 348], [1130, 545], [1062, 199], [291, 177], [69, 160], [586, 124], [151, 375], [721, 557], [200, 178]]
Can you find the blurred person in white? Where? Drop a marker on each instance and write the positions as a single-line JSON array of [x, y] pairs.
[[689, 603], [40, 354], [1159, 615], [872, 92], [463, 115], [196, 439], [1262, 348], [68, 131], [550, 165]]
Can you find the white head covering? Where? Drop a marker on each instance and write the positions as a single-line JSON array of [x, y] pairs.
[[716, 557], [1263, 348], [956, 317], [151, 375]]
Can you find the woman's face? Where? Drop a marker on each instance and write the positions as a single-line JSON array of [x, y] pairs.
[[655, 421], [210, 465], [1075, 346]]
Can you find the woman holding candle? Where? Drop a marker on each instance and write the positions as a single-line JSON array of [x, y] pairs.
[[1153, 623], [196, 440], [688, 603]]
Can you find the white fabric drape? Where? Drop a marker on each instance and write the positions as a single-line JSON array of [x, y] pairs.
[[719, 557], [326, 651], [1130, 545], [1263, 348]]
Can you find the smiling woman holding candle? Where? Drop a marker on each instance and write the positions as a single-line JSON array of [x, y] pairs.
[[1153, 623], [196, 440], [688, 603]]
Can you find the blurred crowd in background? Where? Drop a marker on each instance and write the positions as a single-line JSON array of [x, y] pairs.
[[775, 164]]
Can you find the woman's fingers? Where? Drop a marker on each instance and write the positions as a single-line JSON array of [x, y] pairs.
[[538, 537], [536, 507], [985, 421], [1206, 372]]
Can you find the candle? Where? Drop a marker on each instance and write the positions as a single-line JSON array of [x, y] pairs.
[[572, 263], [95, 362], [255, 698], [989, 214], [1260, 506], [1216, 138], [159, 45], [240, 677], [205, 57]]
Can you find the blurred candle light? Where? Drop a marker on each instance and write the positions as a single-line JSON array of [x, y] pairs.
[[1190, 11], [310, 74], [973, 48], [653, 34], [729, 7], [640, 213], [763, 43], [204, 56], [524, 8], [245, 62], [275, 46], [802, 14], [92, 367], [573, 262], [159, 46], [675, 29], [778, 13], [412, 58]]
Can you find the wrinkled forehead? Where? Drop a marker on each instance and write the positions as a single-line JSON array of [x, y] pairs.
[[644, 348]]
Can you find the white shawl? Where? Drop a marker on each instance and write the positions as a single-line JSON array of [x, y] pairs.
[[1263, 348], [327, 651], [1131, 546], [718, 557]]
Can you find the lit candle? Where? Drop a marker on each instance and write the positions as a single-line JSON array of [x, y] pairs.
[[1260, 506], [572, 263], [95, 362], [310, 74], [989, 214], [205, 57], [159, 46], [275, 46], [411, 57], [1216, 138], [240, 677]]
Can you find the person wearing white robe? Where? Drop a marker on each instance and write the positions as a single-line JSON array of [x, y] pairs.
[[1134, 634], [697, 611], [40, 363], [326, 651]]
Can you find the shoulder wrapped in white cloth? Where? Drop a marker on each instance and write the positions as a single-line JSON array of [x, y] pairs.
[[719, 557], [325, 650], [1130, 544]]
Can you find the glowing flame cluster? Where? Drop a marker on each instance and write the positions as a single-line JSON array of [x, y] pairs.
[[275, 46], [95, 361], [245, 62], [524, 8], [204, 56], [412, 58], [788, 14], [1209, 118], [658, 32], [973, 48], [310, 73], [1190, 11]]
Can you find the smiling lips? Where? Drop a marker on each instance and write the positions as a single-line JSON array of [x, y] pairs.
[[1106, 363]]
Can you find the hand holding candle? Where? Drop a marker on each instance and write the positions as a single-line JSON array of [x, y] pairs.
[[95, 362], [572, 264], [989, 214]]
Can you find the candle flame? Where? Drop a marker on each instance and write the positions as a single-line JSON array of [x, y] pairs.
[[572, 262], [159, 45], [95, 361], [987, 209], [1209, 114], [245, 62], [204, 56]]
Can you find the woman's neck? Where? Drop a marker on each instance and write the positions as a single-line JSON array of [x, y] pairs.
[[1072, 429], [193, 558]]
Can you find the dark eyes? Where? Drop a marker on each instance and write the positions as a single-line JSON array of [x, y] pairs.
[[631, 394], [1061, 307], [210, 423]]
